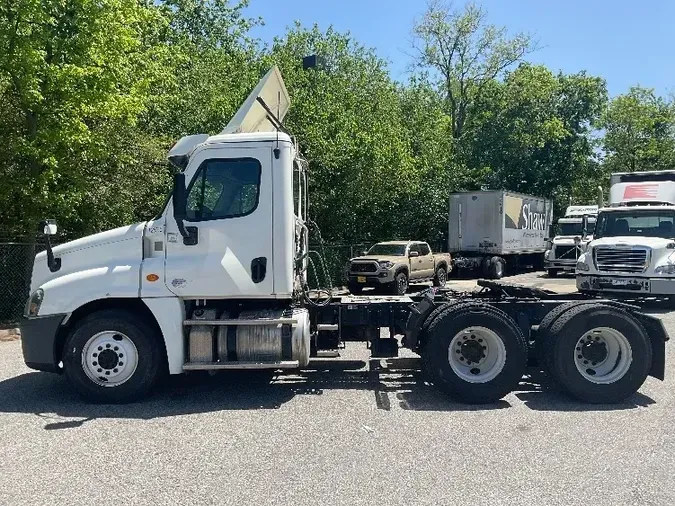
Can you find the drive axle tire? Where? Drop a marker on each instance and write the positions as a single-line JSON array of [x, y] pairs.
[[598, 353], [474, 352], [113, 357], [441, 277]]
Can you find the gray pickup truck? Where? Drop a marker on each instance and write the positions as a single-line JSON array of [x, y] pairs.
[[393, 265]]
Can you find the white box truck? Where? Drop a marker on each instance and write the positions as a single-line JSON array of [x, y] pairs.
[[570, 240], [633, 250], [496, 231], [218, 281]]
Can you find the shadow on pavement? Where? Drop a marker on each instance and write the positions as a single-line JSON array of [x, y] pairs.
[[538, 393], [50, 397]]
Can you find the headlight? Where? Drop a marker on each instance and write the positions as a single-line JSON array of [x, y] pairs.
[[583, 266], [665, 269], [668, 267], [386, 264], [34, 303]]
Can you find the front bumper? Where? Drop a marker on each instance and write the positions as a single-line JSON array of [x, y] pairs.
[[38, 341], [627, 284], [563, 265], [371, 279]]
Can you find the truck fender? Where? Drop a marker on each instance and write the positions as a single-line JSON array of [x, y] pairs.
[[658, 337], [170, 314]]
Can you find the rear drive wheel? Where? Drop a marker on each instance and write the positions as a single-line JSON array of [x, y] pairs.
[[599, 354], [441, 277], [474, 352], [113, 357], [400, 285]]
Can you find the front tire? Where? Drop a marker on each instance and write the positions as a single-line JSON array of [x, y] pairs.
[[441, 277], [496, 268], [474, 352], [113, 357], [400, 285]]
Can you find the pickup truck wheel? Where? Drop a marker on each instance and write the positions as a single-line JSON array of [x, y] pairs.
[[113, 357], [600, 354], [400, 285], [441, 277], [355, 289], [474, 352]]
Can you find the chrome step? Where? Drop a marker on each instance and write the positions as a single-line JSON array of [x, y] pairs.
[[205, 366]]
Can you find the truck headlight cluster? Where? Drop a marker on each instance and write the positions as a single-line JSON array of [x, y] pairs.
[[386, 264], [665, 269], [34, 302], [668, 267], [583, 266]]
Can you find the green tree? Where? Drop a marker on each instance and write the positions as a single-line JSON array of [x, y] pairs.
[[639, 132], [464, 54]]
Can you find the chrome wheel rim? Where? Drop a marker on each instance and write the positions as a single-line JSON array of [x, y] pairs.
[[603, 355], [402, 284], [109, 358], [477, 354]]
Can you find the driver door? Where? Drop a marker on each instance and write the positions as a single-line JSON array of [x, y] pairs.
[[229, 209], [416, 263]]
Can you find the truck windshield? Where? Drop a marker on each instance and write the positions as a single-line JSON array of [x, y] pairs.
[[645, 223], [396, 250], [574, 228]]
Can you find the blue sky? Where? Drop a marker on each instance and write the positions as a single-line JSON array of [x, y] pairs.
[[626, 42]]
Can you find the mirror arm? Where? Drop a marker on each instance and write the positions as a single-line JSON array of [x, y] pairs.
[[181, 228]]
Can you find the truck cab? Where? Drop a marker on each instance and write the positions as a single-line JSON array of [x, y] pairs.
[[570, 240], [634, 241]]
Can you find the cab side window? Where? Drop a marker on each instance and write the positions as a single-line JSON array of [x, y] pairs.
[[224, 188], [424, 249], [413, 247]]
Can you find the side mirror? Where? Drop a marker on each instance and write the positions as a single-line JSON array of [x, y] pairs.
[[364, 253], [584, 225], [179, 200], [413, 254], [49, 228]]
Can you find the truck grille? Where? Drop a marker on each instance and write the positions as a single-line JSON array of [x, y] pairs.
[[364, 267], [565, 252], [620, 260]]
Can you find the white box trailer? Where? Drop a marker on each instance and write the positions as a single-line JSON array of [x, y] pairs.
[[493, 229]]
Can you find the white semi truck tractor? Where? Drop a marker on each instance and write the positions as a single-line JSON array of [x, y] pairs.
[[218, 281], [570, 240], [633, 250]]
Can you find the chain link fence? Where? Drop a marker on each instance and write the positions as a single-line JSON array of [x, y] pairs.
[[16, 265]]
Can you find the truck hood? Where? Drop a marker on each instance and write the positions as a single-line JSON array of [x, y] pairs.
[[632, 241], [119, 246]]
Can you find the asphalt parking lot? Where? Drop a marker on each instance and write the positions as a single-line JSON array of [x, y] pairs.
[[333, 434]]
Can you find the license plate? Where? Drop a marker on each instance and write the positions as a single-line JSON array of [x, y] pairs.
[[620, 282], [361, 279]]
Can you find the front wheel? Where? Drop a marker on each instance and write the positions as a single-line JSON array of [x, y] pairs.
[[496, 268], [113, 357], [441, 277], [400, 285]]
